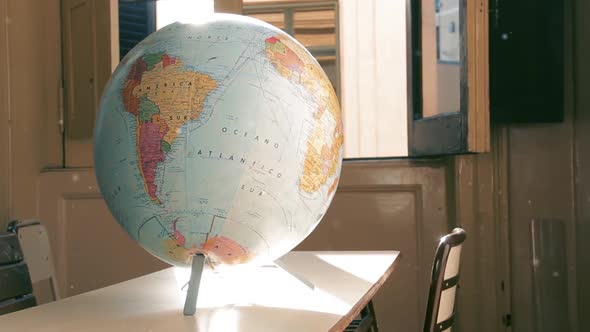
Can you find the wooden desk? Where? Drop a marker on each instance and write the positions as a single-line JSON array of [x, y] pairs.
[[262, 299]]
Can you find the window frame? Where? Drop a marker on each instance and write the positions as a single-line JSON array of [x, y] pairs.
[[465, 131]]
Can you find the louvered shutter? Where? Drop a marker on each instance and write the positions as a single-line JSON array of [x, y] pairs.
[[137, 19]]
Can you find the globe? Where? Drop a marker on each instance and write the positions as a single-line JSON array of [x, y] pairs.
[[222, 138]]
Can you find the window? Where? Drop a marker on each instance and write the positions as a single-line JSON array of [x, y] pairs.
[[313, 23], [138, 19], [96, 34], [411, 75], [358, 43], [449, 107]]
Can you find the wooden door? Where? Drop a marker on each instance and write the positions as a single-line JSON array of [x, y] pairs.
[[90, 53]]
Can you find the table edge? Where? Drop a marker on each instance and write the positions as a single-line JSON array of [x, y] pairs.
[[346, 319]]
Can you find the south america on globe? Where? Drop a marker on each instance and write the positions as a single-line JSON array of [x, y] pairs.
[[222, 138]]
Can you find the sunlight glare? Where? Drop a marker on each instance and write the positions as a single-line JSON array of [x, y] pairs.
[[184, 11], [225, 320], [259, 286], [370, 272]]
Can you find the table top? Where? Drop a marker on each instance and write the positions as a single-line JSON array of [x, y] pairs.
[[322, 291]]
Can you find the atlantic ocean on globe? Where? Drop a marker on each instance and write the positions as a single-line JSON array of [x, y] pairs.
[[222, 138]]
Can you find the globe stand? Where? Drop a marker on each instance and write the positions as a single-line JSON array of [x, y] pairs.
[[190, 304]]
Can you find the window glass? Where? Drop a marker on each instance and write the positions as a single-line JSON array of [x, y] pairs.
[[441, 57]]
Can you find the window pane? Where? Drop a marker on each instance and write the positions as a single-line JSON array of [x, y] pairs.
[[361, 45], [441, 57], [187, 11], [312, 23], [136, 21]]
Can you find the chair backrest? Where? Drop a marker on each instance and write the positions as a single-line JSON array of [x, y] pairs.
[[15, 284], [34, 241], [445, 280]]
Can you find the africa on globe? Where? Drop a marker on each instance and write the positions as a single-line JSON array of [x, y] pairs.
[[222, 138]]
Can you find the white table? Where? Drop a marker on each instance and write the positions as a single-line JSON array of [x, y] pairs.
[[261, 299]]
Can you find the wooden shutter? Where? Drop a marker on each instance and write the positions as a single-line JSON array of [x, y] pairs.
[[136, 21]]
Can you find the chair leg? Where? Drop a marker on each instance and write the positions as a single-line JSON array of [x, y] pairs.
[[367, 321], [374, 327], [369, 310]]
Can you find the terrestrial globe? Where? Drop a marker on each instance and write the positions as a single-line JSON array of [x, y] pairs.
[[222, 138]]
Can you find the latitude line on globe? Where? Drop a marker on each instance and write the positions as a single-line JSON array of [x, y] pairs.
[[222, 83], [186, 139], [210, 229], [263, 91], [167, 232], [286, 220], [252, 229], [142, 224], [223, 80]]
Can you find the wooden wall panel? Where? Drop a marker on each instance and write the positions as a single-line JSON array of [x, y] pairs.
[[30, 72], [390, 205], [4, 111], [91, 250], [88, 27], [544, 171], [480, 206], [541, 187], [228, 6]]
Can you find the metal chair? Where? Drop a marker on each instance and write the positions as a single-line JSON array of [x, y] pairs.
[[445, 282], [16, 290]]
